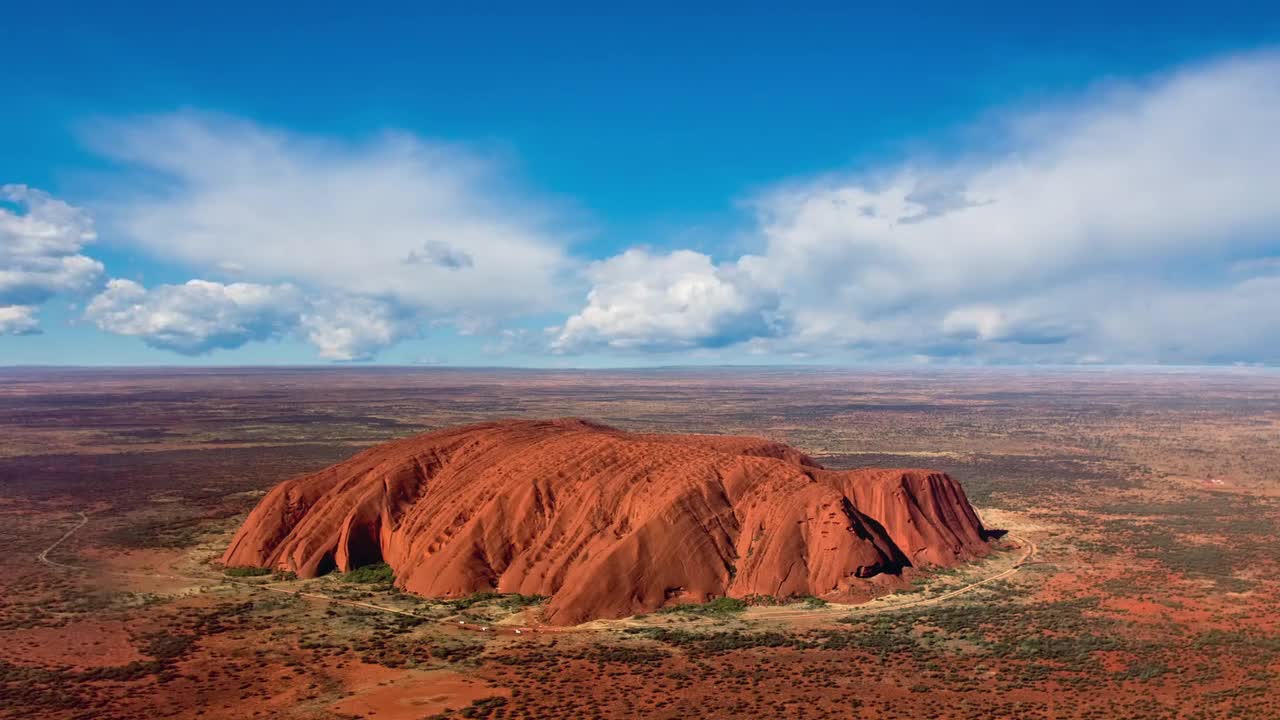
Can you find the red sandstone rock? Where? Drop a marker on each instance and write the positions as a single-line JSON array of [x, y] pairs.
[[608, 523]]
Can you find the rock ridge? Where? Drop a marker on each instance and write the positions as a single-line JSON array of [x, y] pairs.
[[608, 523]]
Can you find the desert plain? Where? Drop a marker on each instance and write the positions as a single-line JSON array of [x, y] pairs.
[[1132, 573]]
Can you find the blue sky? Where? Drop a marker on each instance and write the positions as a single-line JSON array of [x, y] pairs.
[[994, 184]]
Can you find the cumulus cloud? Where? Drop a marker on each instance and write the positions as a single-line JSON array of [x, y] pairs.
[[674, 301], [40, 258], [1135, 223], [18, 320], [198, 316], [1178, 170], [1092, 215], [431, 227], [40, 243], [350, 246], [354, 329]]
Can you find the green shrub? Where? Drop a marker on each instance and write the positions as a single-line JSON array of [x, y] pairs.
[[719, 606], [516, 600], [370, 574], [246, 571]]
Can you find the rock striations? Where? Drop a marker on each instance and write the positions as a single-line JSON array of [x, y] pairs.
[[608, 523]]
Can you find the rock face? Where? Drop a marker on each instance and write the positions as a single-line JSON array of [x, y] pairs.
[[608, 523]]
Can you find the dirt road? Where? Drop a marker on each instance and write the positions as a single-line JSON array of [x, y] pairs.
[[772, 614]]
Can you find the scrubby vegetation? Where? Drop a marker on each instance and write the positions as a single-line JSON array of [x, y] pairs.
[[246, 571], [721, 606], [1130, 611], [377, 573]]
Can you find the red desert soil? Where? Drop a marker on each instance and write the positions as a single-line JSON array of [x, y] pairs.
[[389, 694], [608, 523], [81, 644]]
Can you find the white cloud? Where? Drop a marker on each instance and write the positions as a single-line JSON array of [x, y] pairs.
[[430, 227], [354, 329], [18, 320], [198, 316], [350, 246], [1137, 223], [40, 243], [993, 324], [1092, 219], [1235, 322], [40, 258], [676, 301], [1167, 172]]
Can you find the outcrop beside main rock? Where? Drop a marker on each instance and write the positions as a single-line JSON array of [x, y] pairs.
[[607, 523]]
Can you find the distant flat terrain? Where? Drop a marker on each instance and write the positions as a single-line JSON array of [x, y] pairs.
[[1151, 500]]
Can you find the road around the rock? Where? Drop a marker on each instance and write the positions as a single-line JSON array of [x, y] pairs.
[[799, 613]]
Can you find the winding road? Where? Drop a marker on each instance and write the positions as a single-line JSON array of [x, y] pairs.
[[865, 609], [44, 554], [795, 613], [1027, 557]]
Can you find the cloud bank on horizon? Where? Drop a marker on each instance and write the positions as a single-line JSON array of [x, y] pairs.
[[1139, 223]]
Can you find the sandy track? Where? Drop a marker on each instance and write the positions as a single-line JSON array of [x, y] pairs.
[[44, 554], [806, 613], [874, 608], [1030, 553]]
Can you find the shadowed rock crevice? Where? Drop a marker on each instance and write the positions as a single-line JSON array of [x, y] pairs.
[[608, 523]]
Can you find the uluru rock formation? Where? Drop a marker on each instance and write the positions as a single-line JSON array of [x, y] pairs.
[[609, 523]]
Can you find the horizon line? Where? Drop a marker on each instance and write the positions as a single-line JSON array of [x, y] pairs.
[[909, 367]]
